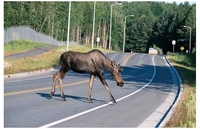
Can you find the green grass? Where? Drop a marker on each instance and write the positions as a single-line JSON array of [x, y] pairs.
[[185, 59], [44, 61], [20, 46], [189, 106], [185, 112]]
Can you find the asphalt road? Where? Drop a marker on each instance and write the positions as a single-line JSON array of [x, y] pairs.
[[149, 81]]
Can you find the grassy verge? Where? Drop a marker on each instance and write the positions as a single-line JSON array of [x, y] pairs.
[[44, 61], [20, 46], [185, 112]]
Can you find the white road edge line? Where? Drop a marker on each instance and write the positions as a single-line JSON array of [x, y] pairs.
[[176, 96], [104, 105], [158, 118]]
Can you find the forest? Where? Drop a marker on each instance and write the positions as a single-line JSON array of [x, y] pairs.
[[154, 24]]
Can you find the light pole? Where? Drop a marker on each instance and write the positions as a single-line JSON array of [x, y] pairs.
[[190, 38], [68, 25], [125, 30], [93, 25], [111, 22]]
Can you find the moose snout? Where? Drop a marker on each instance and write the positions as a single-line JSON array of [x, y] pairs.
[[120, 84]]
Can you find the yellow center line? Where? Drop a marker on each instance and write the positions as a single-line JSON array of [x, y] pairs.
[[44, 88], [127, 58], [65, 85]]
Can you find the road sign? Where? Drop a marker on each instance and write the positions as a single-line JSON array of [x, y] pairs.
[[173, 42], [98, 39], [182, 48]]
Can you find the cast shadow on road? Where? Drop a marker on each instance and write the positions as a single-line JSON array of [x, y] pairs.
[[79, 98], [138, 76], [134, 76]]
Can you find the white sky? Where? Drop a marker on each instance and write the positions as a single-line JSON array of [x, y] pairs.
[[180, 1]]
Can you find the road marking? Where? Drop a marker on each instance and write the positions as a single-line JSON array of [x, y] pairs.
[[104, 105], [126, 60], [44, 88], [49, 87]]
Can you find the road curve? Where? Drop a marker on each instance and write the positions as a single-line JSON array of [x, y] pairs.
[[149, 81]]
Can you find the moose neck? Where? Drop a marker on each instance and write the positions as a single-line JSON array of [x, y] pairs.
[[108, 65]]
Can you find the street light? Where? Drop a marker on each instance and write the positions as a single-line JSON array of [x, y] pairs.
[[93, 25], [68, 25], [111, 22], [125, 30], [190, 37]]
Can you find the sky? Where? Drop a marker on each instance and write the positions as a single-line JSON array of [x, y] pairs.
[[167, 1], [180, 1]]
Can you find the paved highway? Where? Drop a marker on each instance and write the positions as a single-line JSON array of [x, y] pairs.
[[141, 102]]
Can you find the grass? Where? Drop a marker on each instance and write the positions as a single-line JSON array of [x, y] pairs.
[[185, 112], [44, 61], [20, 46]]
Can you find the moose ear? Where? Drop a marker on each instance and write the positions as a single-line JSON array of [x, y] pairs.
[[119, 65], [113, 64]]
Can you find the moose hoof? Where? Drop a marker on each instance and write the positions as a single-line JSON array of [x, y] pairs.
[[63, 98], [51, 95], [89, 100], [114, 101]]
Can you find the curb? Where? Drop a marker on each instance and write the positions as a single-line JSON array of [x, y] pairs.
[[158, 118], [169, 112]]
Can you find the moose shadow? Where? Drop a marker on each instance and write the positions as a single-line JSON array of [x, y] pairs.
[[79, 98], [134, 76]]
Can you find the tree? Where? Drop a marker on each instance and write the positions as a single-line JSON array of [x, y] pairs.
[[154, 23]]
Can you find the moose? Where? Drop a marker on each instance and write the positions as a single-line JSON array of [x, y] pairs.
[[93, 62]]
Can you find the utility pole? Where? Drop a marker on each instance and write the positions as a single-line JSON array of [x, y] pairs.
[[190, 37], [93, 25], [68, 25]]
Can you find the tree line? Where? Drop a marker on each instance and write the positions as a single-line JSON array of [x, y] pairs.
[[153, 23]]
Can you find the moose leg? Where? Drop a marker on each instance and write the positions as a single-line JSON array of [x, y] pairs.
[[106, 87], [61, 90], [59, 76], [63, 71], [90, 88], [55, 77]]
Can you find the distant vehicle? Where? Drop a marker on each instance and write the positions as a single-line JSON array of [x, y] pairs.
[[153, 51]]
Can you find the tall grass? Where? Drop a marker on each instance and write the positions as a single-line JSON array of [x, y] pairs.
[[185, 59], [189, 120], [20, 46], [185, 112], [44, 61]]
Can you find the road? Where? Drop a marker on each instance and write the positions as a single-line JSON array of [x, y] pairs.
[[149, 81]]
